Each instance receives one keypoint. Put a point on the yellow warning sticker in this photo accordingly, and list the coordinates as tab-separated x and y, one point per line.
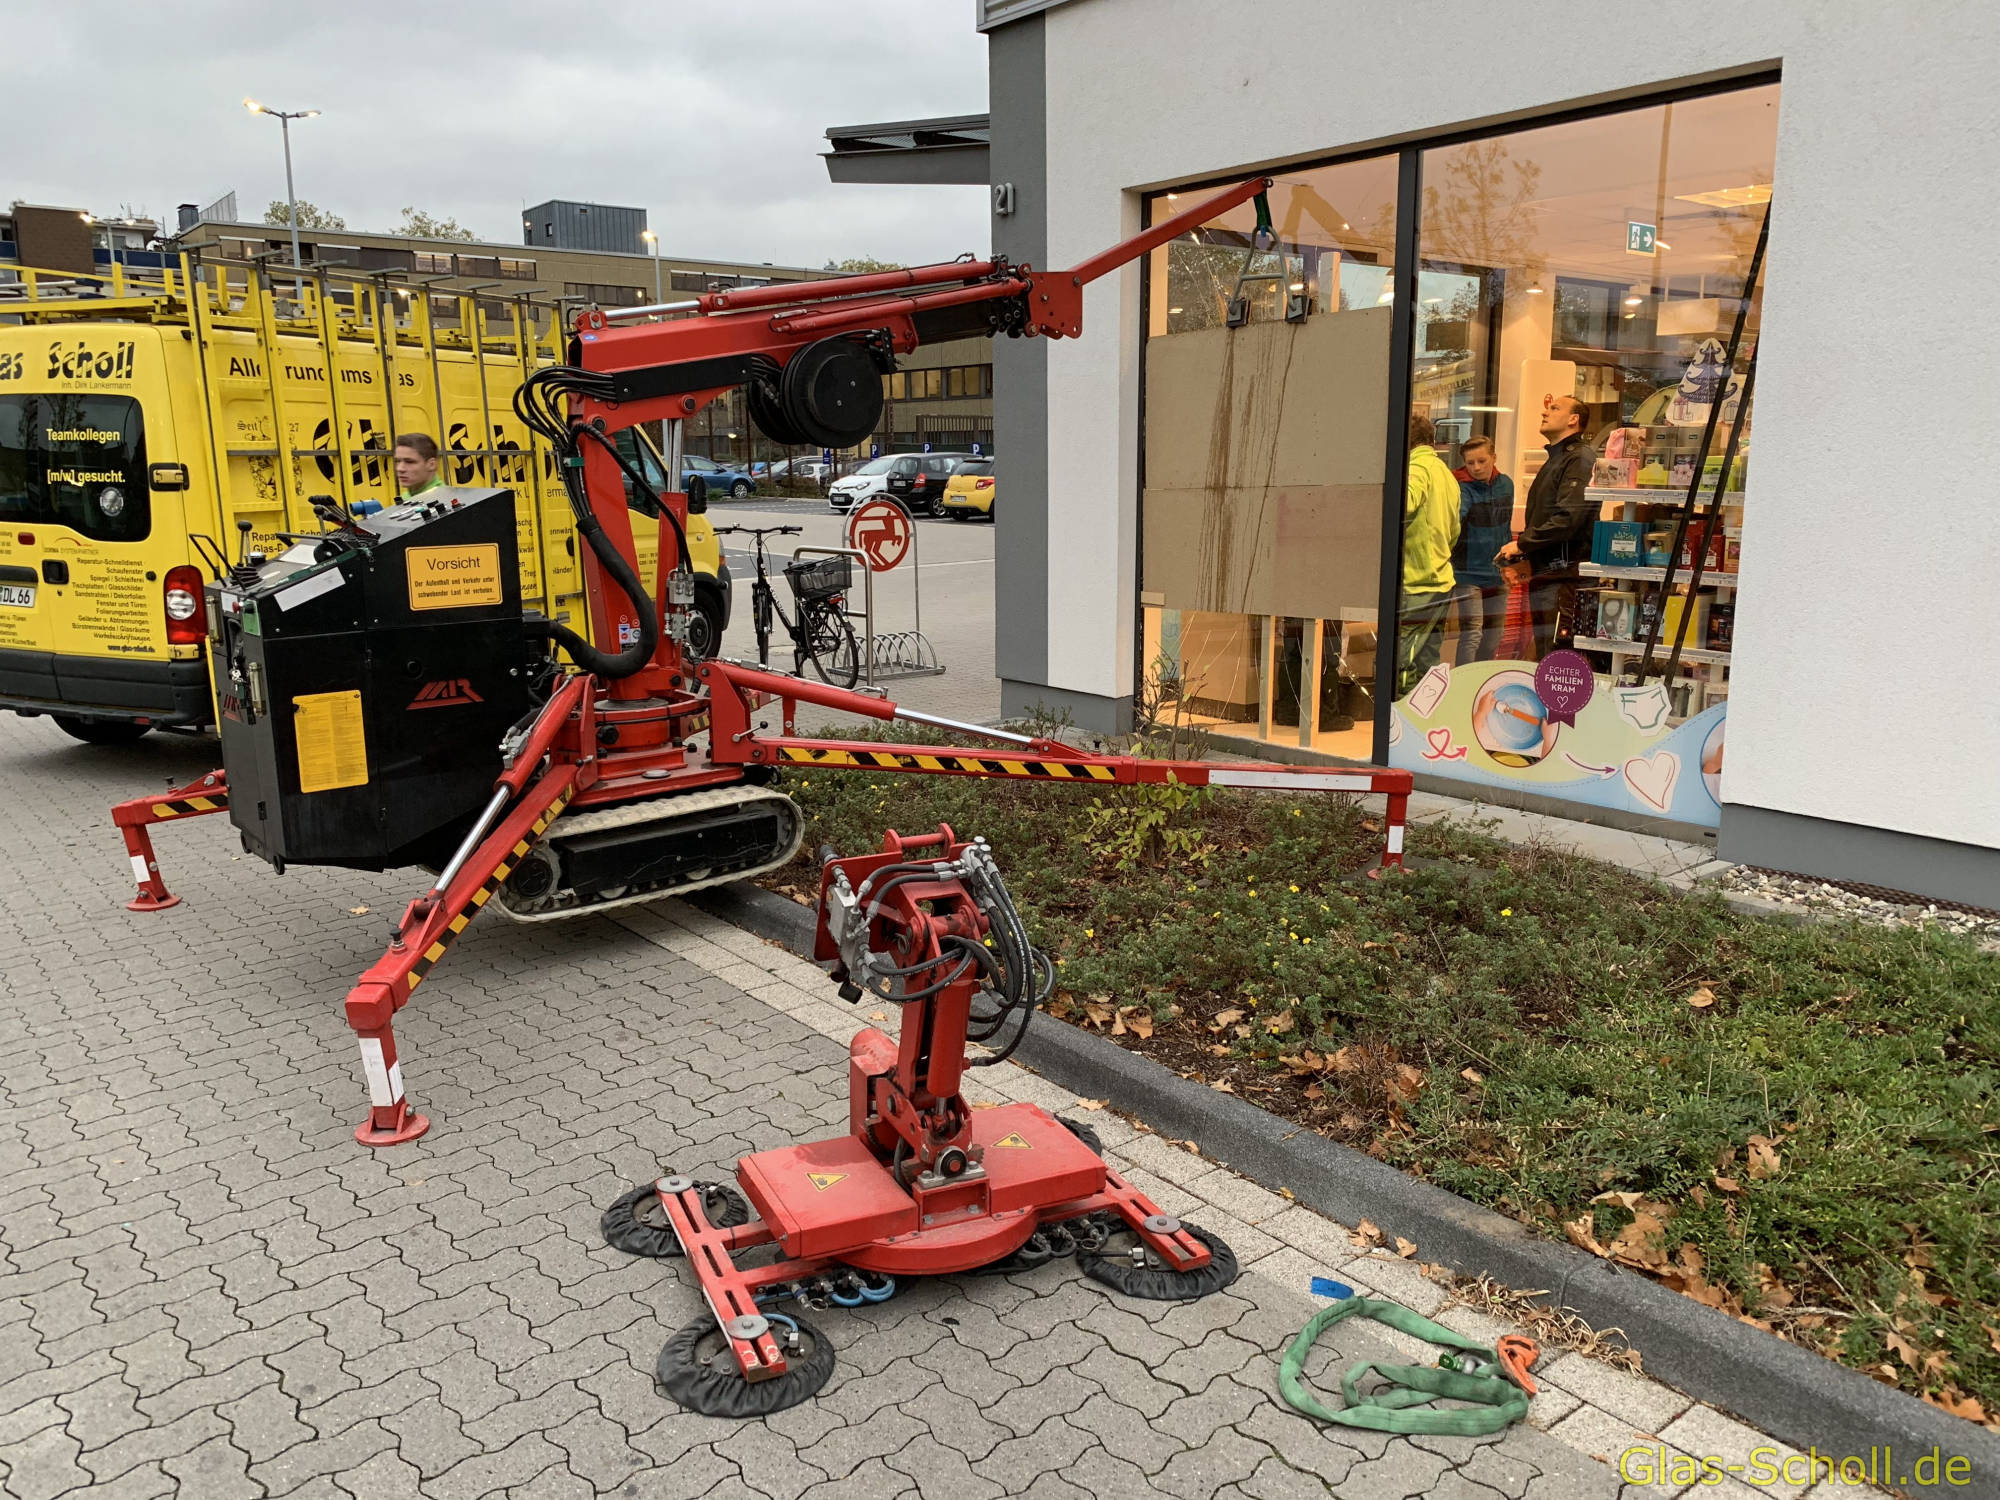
1014	1139
453	577
332	740
825	1180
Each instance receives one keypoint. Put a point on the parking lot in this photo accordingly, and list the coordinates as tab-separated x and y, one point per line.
956	563
207	1284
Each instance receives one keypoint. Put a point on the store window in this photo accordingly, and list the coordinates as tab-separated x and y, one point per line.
1579	287
1263	453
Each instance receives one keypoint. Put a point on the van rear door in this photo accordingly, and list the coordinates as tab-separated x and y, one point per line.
27	621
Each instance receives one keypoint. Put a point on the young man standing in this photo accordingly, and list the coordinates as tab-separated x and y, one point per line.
416	464
1430	530
1486	524
1560	517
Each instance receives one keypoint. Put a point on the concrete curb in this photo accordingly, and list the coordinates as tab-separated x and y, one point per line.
1795	1395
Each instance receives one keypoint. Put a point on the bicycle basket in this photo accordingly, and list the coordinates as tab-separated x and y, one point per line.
821	578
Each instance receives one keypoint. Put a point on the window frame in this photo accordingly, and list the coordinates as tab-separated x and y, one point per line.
1409	155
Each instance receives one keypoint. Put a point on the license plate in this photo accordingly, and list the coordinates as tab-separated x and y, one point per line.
15	594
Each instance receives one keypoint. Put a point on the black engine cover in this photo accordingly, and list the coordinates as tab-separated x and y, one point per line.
365	680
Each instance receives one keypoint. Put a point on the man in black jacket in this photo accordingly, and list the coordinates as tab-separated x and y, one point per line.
1561	515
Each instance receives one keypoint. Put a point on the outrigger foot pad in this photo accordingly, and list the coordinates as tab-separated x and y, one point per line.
697	1369
638	1225
1114	1264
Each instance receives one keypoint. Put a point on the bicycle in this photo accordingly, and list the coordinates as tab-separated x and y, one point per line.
821	634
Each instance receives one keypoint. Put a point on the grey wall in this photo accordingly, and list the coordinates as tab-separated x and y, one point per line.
1016	90
1831	850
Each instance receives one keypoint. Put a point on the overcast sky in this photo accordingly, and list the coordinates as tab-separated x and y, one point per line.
710	116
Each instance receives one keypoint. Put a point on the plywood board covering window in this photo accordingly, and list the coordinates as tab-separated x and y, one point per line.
1264	466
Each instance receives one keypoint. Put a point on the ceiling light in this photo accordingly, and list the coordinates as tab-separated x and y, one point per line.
1535	291
1634	301
1388	295
1174	312
1630	316
1660	244
1298	286
1345	225
1171	197
1739	197
1486	408
1433	301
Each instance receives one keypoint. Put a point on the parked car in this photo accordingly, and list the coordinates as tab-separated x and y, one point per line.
916	481
810	469
732	480
970	492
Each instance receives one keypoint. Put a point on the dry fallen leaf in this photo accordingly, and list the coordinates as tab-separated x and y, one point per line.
1365	1234
1764	1160
1728	1184
1225	1018
1220	1049
1092	1103
1582	1232
1223	1086
877	1015
1314	1091
1639	1243
1472	1075
1410	1080
1241	1033
1189	1146
1775	1293
1627	1201
1405	1249
357	911
1702	998
1279	1024
1955	1401
1142	1026
1902	1349
1288	1195
1097	1014
1992	1336
1344	1061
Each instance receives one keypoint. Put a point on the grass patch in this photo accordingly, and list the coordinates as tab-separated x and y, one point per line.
1800	1125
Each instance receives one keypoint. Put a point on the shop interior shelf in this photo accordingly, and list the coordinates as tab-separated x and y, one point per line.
1654	575
1669	496
1660	652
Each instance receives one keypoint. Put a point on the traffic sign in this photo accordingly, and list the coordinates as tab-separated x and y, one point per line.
1640	238
826	455
976	450
874	450
880	532
927	447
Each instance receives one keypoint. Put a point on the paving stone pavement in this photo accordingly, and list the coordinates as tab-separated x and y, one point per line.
208	1289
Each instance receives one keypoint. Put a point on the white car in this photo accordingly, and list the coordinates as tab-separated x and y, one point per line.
866	482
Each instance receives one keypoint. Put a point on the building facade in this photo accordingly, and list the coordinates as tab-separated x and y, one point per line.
1476	221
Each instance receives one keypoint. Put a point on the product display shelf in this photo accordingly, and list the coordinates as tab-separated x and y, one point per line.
1659	495
1620	648
1643	574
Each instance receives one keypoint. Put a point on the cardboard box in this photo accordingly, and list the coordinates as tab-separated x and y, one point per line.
1618	544
1697	630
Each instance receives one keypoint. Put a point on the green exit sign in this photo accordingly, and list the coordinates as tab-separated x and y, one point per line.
1640	238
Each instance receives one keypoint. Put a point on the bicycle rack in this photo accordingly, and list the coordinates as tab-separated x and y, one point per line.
893	653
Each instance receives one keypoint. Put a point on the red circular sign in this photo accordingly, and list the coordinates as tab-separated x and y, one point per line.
880	532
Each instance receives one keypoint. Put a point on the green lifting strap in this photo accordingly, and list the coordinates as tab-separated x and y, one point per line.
1498	1401
1263	233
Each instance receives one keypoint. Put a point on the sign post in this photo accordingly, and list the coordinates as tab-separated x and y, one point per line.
1641	239
883	534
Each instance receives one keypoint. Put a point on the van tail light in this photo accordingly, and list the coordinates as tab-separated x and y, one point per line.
982	484
181	594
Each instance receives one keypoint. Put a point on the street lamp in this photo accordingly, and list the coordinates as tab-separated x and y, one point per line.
654	240
284	117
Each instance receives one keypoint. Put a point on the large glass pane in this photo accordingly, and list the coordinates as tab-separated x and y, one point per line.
1267	379
1578	285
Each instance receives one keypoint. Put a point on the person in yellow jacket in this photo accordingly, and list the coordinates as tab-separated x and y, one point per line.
1430	531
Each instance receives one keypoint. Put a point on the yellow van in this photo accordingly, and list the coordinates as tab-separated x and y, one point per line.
144	415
